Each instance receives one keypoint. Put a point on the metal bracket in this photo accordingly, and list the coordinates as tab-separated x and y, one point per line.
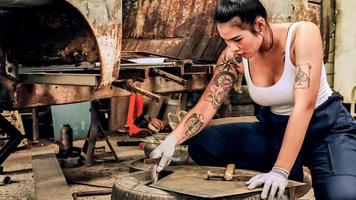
168	76
127	85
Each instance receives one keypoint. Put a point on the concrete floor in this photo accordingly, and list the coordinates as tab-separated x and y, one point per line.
101	176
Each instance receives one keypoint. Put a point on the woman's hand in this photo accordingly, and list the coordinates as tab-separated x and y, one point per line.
276	179
164	151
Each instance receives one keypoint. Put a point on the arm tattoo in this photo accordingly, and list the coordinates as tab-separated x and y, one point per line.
193	124
220	88
302	77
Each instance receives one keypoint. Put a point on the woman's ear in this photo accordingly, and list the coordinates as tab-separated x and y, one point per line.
260	24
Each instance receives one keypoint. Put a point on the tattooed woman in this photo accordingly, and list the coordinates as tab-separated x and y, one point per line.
301	122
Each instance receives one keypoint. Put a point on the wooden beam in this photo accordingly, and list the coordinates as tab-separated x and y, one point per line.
48	176
35	121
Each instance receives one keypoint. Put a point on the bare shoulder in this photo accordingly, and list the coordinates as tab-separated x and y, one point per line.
228	62
307	30
306	41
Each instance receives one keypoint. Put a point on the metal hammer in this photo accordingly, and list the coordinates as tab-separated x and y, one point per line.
228	174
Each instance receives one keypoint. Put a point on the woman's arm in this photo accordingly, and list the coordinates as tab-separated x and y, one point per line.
308	55
224	77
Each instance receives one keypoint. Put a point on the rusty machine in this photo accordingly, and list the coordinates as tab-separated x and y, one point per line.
66	51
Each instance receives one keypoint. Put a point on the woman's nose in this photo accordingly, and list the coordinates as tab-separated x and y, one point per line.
234	48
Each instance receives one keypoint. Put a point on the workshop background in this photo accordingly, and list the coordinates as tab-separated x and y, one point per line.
85	84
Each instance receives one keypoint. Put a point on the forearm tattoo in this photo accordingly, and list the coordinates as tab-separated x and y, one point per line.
220	88
193	124
302	77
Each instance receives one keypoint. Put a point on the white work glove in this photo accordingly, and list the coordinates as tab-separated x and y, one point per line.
164	151
276	179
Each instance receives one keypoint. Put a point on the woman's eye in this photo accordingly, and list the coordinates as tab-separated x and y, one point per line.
238	40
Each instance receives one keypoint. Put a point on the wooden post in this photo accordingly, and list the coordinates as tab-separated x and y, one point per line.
35	131
118	112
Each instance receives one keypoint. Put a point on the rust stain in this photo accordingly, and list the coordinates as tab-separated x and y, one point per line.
307	12
104	17
177	28
43	95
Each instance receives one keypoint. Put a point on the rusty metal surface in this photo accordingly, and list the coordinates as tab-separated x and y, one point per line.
104	17
195	176
174	28
56	34
65	32
307	11
42	95
28	95
178	28
185	29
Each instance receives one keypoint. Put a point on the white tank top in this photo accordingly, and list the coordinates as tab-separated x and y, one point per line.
280	95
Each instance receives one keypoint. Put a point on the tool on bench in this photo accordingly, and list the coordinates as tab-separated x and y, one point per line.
228	175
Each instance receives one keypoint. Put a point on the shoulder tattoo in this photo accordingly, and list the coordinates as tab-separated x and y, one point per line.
228	64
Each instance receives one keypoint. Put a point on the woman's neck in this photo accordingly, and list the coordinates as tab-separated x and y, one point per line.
270	40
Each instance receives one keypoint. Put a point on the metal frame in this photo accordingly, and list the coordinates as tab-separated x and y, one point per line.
15	138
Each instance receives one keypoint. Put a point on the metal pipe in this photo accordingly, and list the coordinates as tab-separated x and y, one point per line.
91	193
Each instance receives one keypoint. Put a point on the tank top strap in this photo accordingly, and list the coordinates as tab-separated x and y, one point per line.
247	71
289	40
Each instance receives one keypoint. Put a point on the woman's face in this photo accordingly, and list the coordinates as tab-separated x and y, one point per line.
241	42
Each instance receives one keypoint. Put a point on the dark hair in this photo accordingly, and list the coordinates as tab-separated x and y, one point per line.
246	10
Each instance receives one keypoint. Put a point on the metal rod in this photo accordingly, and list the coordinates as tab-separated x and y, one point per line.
169	76
132	88
90	193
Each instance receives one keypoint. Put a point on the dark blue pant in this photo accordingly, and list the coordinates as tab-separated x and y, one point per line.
329	149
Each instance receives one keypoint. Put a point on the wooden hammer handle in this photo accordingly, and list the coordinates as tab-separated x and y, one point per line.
229	172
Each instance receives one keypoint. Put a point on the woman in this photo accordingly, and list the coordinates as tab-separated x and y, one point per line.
301	122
